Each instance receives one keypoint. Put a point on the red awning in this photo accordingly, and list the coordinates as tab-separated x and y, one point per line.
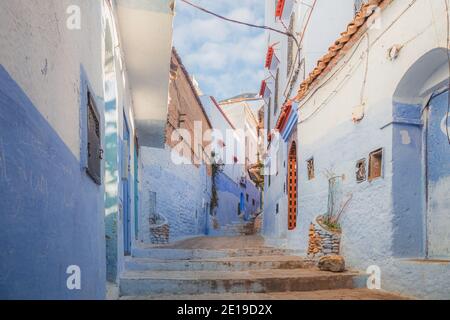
280	8
263	88
284	116
269	56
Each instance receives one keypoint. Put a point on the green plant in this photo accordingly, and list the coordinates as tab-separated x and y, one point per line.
216	169
329	223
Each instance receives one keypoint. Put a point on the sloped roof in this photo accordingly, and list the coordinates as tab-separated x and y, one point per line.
341	46
191	84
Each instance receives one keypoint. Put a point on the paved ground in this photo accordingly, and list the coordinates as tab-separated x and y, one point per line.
215	243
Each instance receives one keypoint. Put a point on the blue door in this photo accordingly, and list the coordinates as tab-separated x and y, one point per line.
438	177
242	205
136	192
125	168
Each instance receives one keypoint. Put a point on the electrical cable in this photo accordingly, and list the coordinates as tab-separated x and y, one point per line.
448	57
366	72
241	22
296	70
371	45
331	77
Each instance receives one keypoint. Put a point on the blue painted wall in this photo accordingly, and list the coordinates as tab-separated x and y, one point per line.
438	178
183	194
407	181
229	193
51	213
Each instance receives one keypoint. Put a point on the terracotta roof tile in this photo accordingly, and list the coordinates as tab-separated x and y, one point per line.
334	52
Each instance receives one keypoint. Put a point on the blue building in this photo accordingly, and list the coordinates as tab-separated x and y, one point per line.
69	140
371	151
238	197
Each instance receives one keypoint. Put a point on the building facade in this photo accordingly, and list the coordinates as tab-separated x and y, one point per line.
68	132
177	177
372	148
237	198
288	62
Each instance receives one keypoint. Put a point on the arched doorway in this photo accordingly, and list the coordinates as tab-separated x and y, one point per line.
292	187
421	157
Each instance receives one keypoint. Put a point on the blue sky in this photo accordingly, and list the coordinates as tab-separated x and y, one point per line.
226	59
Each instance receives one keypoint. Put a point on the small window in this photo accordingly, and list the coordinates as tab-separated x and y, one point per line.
94	150
246	197
361	174
253	202
375	164
277	208
310	166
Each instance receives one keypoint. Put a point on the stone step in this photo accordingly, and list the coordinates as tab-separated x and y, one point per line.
337	294
190	254
219	264
141	283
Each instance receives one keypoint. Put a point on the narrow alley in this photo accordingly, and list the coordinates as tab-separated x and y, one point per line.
246	150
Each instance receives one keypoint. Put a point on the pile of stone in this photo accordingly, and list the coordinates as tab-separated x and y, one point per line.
159	234
315	241
159	230
323	242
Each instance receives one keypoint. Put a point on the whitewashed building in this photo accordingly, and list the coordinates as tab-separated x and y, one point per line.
372	149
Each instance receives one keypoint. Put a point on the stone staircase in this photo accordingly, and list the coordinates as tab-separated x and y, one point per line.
242	228
238	229
216	268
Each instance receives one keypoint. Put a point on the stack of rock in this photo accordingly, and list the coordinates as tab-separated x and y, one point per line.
315	241
159	229
323	242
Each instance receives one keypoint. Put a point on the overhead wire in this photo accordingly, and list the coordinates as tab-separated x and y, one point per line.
248	24
296	70
371	44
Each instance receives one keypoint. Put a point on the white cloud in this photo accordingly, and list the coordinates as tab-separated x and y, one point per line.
226	58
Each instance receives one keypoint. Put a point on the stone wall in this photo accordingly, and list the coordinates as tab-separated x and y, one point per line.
183	194
322	242
159	234
186	112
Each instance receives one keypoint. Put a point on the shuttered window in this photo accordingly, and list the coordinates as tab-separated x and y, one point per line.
94	150
292	187
375	164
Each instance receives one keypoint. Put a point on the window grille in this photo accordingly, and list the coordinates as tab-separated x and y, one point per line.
94	150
